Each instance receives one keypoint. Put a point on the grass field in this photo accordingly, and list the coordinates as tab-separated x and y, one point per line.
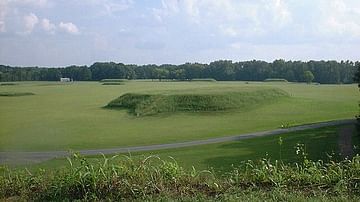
318	144
62	116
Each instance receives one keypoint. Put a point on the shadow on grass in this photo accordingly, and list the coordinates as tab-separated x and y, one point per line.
318	144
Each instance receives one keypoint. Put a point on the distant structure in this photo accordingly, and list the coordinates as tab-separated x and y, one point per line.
65	79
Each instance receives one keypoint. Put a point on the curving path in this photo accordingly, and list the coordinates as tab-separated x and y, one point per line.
36	157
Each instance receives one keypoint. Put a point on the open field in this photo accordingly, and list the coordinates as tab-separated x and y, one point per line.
70	116
24	158
319	144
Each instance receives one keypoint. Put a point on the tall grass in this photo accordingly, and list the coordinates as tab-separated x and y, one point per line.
150	104
153	178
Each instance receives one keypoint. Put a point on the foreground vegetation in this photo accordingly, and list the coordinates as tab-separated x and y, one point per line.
153	178
62	116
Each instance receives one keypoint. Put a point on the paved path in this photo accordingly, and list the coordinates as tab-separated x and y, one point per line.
35	157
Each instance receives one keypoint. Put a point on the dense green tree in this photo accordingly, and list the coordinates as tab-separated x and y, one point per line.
308	76
357	80
179	74
222	70
160	73
77	73
225	70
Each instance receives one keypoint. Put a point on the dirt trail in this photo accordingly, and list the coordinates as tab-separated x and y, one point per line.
8	157
345	141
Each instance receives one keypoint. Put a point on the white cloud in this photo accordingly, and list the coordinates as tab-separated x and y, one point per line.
108	7
2	26
278	11
3	11
101	42
11	8
341	18
38	3
229	31
69	27
115	6
48	26
30	21
231	18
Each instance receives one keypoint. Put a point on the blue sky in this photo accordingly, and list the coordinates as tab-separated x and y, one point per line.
66	32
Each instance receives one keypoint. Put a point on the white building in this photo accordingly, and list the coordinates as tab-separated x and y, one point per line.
65	79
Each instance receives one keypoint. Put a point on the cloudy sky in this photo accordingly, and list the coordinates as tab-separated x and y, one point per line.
65	32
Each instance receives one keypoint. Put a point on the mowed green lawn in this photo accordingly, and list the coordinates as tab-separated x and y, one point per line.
70	116
318	144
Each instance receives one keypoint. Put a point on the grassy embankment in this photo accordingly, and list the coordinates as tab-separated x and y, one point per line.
152	104
14	94
113	81
275	80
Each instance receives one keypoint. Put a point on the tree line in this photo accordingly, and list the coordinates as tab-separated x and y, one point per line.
327	72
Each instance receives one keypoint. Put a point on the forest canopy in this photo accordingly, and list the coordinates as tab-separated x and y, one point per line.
326	72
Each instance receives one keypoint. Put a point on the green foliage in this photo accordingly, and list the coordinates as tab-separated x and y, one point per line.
357	74
152	179
308	76
15	94
357	80
150	104
275	80
221	70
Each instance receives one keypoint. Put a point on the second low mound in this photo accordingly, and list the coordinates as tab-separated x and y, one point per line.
151	104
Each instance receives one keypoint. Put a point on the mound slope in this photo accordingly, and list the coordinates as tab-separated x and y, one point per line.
151	104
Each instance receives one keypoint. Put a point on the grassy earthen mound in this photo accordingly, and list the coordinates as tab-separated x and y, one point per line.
150	104
15	94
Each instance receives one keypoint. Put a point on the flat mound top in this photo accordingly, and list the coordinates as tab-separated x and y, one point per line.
275	80
15	94
113	83
197	100
208	90
8	84
113	80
